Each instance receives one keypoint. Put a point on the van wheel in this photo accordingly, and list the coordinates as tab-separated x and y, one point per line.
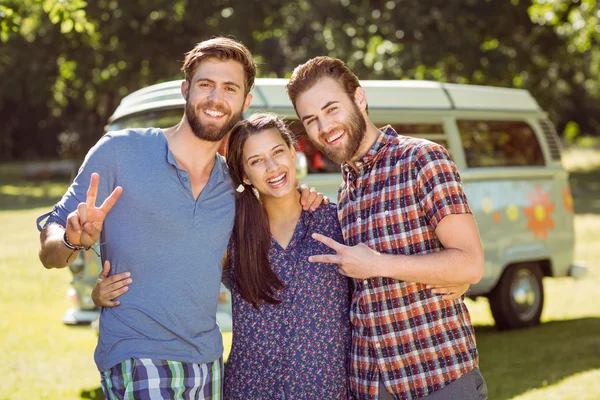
518	299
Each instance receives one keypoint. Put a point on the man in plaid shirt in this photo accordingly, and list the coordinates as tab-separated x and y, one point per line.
411	245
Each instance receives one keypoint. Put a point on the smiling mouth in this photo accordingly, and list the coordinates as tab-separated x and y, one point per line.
334	138
277	181
213	113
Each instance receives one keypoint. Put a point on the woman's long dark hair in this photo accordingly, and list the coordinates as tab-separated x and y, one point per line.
254	276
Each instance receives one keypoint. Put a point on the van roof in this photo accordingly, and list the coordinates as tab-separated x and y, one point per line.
270	93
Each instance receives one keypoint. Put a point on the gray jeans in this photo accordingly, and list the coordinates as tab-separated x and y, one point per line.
470	386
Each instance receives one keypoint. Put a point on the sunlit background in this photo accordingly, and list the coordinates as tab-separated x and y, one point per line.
66	64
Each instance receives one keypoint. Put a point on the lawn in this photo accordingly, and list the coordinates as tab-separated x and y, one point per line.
43	359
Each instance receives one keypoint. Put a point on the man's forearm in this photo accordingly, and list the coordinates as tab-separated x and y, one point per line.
53	252
448	267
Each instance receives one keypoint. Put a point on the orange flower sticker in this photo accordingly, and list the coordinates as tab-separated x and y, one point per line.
540	221
568	199
497	217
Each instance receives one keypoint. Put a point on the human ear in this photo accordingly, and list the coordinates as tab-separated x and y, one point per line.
360	98
185	88
247	102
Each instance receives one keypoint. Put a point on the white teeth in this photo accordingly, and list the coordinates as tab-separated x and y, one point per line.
334	137
277	179
213	113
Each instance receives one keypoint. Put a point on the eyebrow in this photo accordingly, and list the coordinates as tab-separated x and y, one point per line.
225	83
256	155
322	108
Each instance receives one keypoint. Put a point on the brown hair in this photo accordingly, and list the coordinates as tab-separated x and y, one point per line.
306	75
251	236
223	49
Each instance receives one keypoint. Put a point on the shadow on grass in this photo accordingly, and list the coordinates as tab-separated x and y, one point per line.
585	187
95	394
514	362
24	195
10	203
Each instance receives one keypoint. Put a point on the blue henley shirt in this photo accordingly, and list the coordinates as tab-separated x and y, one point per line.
170	242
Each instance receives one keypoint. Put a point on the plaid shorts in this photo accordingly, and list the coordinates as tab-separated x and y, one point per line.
143	378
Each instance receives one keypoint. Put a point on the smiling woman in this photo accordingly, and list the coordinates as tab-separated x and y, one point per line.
290	317
271	172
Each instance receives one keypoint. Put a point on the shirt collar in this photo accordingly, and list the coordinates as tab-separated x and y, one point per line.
388	134
220	170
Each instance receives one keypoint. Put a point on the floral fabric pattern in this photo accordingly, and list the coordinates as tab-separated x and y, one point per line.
297	349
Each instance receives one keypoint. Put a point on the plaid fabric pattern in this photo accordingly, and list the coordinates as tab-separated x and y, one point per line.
143	378
417	341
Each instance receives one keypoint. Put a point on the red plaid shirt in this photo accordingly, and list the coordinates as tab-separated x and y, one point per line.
417	341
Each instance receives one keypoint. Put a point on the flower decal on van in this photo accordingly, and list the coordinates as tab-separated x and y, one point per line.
512	212
540	221
568	199
487	205
497	217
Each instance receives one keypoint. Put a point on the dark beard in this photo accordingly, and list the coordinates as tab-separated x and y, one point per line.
209	133
355	128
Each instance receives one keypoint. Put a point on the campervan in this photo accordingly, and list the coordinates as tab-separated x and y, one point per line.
506	150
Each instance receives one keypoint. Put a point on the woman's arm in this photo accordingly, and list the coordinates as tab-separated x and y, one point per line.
226	274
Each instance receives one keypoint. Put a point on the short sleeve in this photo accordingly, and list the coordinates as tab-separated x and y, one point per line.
439	187
100	159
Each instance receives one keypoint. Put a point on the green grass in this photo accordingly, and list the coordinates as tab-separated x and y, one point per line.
43	359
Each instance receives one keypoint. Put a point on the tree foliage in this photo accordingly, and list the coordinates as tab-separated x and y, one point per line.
65	64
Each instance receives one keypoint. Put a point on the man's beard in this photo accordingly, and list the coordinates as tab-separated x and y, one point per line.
207	132
354	127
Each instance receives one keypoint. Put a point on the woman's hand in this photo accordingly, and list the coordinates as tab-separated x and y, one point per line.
109	288
310	199
449	292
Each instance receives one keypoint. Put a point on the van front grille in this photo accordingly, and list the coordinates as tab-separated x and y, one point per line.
551	138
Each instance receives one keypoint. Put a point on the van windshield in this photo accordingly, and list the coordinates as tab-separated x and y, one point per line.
149	119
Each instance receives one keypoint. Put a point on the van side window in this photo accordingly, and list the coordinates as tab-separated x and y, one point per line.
318	163
499	144
432	132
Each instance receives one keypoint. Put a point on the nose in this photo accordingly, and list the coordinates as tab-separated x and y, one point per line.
271	164
215	94
324	124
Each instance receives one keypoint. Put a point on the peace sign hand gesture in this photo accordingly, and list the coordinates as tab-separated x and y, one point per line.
353	261
84	225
